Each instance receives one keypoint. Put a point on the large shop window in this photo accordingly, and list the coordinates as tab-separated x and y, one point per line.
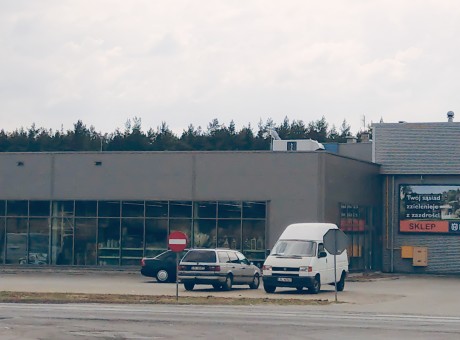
254	239
16	240
109	209
38	240
109	241
62	240
229	233
85	242
85	208
132	240
156	209
156	236
2	239
17	208
111	232
205	233
2	208
229	209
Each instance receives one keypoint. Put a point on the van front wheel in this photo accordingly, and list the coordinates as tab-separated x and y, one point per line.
316	287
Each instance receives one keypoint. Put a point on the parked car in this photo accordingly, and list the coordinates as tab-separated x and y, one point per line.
221	268
162	267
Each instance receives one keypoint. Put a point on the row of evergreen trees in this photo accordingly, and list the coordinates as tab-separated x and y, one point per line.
216	137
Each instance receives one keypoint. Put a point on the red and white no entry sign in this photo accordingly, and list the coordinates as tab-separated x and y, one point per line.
177	241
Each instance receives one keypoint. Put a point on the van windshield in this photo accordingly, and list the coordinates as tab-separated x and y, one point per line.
294	248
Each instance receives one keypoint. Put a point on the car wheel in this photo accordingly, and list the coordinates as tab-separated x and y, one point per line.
341	283
227	285
189	285
216	286
162	276
255	282
316	287
269	289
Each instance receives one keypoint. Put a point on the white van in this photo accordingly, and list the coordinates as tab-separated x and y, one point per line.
300	260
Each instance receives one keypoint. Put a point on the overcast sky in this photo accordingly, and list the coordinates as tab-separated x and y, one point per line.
188	62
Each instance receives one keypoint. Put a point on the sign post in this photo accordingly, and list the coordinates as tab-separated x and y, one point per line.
335	241
177	242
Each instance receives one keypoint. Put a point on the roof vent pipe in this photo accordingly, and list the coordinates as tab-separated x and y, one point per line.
450	116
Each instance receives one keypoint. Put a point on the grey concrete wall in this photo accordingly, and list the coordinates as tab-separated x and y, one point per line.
30	181
288	180
299	186
443	249
349	181
362	151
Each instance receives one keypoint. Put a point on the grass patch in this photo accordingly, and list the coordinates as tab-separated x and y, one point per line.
61	298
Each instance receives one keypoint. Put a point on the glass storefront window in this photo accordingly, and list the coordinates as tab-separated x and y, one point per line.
254	239
16	208
109	209
205	210
62	208
2	208
156	236
86	233
62	240
85	241
132	240
180	209
132	209
2	240
109	241
39	208
229	210
86	208
16	240
254	209
204	233
39	240
156	209
181	224
229	234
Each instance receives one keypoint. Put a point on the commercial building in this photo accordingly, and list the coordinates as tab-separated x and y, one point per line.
113	208
420	169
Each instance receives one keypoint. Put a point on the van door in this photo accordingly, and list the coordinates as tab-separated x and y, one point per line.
325	265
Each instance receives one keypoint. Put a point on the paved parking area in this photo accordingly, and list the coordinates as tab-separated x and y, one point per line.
430	295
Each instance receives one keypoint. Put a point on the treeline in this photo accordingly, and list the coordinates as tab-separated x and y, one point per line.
217	136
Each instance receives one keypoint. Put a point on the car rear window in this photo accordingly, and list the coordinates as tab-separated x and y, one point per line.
200	256
165	256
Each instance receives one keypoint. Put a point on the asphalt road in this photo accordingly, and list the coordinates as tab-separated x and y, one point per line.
424	295
20	321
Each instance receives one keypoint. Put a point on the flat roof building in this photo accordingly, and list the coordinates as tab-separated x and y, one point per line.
113	208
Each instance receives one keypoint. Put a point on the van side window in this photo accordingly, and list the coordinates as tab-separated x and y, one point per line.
320	248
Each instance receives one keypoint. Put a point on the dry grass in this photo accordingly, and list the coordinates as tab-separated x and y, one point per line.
32	297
